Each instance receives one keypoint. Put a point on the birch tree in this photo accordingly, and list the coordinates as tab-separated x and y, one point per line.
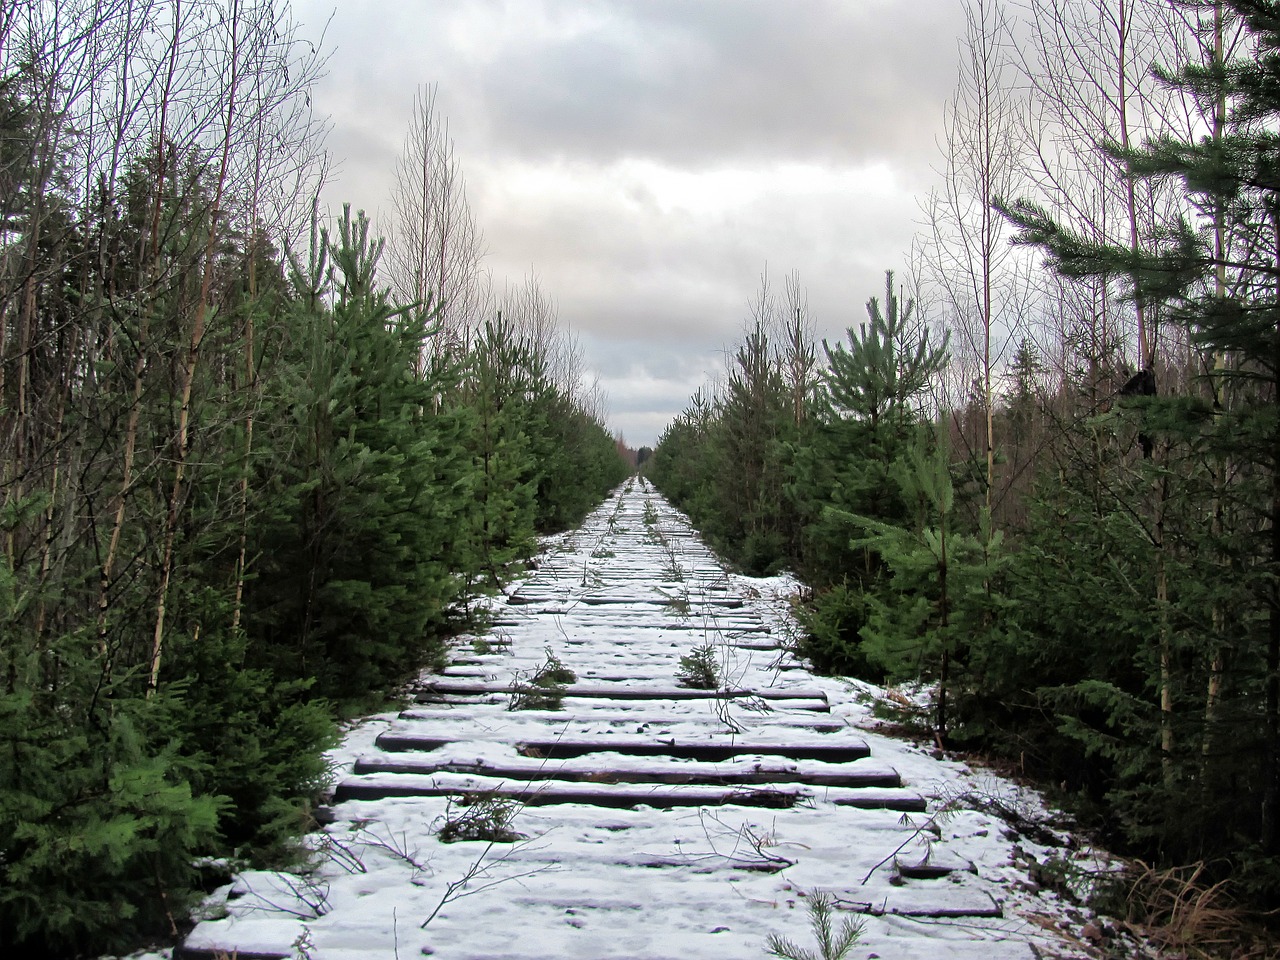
436	247
980	282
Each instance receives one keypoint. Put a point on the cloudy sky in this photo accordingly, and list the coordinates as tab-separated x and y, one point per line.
649	159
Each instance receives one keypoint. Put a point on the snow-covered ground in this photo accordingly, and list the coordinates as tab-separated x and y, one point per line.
653	821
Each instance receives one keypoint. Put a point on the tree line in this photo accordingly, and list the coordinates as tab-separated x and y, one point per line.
1044	478
246	488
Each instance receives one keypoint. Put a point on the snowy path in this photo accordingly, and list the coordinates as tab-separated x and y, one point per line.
655	820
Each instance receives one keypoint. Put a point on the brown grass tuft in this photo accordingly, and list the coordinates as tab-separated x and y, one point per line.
1183	914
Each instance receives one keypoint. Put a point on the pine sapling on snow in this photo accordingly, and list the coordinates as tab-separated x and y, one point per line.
480	816
544	688
831	946
700	669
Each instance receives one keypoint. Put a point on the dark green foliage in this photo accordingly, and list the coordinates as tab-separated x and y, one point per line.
937	602
832	641
681	465
365	490
577	458
888	365
773	490
1176	690
507	472
758	480
98	827
254	740
236	499
1073	682
1113	625
867	417
540	463
725	463
750	450
371	484
845	468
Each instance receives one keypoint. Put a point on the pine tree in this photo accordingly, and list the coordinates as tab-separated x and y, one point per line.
938	597
364	489
754	424
887	366
867	411
681	464
497	383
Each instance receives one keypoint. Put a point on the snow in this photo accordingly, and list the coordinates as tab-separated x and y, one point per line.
657	876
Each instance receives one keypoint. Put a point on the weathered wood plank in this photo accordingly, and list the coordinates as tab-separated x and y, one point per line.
620	690
669	774
548	793
712	750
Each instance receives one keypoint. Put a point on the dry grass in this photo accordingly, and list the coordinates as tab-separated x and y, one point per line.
1177	910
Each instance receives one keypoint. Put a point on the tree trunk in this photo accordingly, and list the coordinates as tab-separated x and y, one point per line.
191	364
1269	833
1217	663
1164	637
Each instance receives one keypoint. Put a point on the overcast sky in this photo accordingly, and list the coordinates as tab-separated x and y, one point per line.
649	158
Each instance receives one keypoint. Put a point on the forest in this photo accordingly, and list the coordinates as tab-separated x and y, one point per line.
259	463
256	464
1040	478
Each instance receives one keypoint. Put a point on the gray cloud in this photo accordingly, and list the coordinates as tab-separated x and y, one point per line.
647	383
704	82
647	158
682	81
